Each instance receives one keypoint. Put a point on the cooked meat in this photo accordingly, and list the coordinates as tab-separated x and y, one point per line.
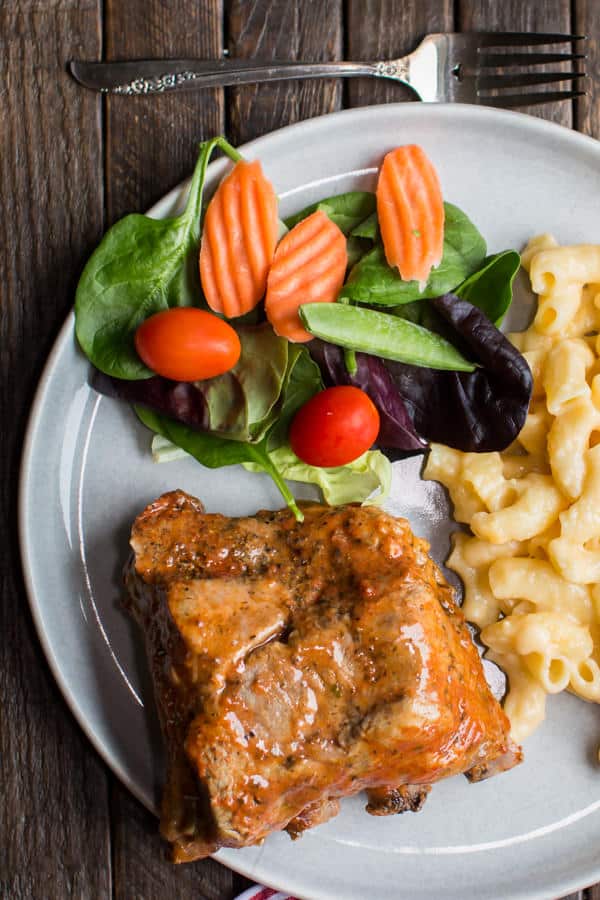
385	801
295	664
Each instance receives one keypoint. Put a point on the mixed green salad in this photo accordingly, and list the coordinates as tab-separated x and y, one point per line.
428	355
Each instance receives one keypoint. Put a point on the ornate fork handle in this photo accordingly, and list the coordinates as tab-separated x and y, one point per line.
158	76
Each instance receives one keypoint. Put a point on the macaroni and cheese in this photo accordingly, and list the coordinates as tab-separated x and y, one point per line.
531	564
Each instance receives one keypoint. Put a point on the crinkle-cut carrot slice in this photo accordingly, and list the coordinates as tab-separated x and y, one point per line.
411	212
238	240
309	267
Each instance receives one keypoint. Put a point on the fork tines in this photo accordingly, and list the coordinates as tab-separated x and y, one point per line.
486	81
521	39
525	59
523	79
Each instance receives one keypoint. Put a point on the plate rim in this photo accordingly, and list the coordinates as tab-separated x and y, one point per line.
66	333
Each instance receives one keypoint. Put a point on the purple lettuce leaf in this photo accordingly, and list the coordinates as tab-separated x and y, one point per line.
396	429
478	411
178	400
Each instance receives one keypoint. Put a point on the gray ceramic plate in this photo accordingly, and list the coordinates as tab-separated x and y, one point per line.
533	832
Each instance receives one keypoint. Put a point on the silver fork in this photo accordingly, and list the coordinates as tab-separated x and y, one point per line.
458	68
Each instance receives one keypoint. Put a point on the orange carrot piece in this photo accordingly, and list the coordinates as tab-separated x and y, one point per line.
309	267
238	240
410	210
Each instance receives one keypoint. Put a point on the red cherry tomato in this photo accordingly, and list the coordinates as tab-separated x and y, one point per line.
335	427
187	344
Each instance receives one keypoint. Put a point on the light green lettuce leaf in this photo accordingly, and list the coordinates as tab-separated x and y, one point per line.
354	483
164	450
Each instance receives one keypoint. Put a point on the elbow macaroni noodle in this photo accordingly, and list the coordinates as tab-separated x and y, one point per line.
531	565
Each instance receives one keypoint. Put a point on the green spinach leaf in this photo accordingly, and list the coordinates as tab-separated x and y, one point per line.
346	210
368	228
490	288
356	248
412	312
373	282
141	267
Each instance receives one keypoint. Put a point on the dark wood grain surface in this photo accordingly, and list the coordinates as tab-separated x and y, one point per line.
70	165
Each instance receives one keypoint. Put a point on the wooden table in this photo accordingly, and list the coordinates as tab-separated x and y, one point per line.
71	163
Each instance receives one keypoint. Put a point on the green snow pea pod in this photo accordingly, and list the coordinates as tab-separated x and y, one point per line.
381	334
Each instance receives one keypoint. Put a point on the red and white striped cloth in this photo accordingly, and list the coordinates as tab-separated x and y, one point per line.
258	892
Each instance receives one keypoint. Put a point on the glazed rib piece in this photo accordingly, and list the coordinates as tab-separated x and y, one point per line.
295	664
